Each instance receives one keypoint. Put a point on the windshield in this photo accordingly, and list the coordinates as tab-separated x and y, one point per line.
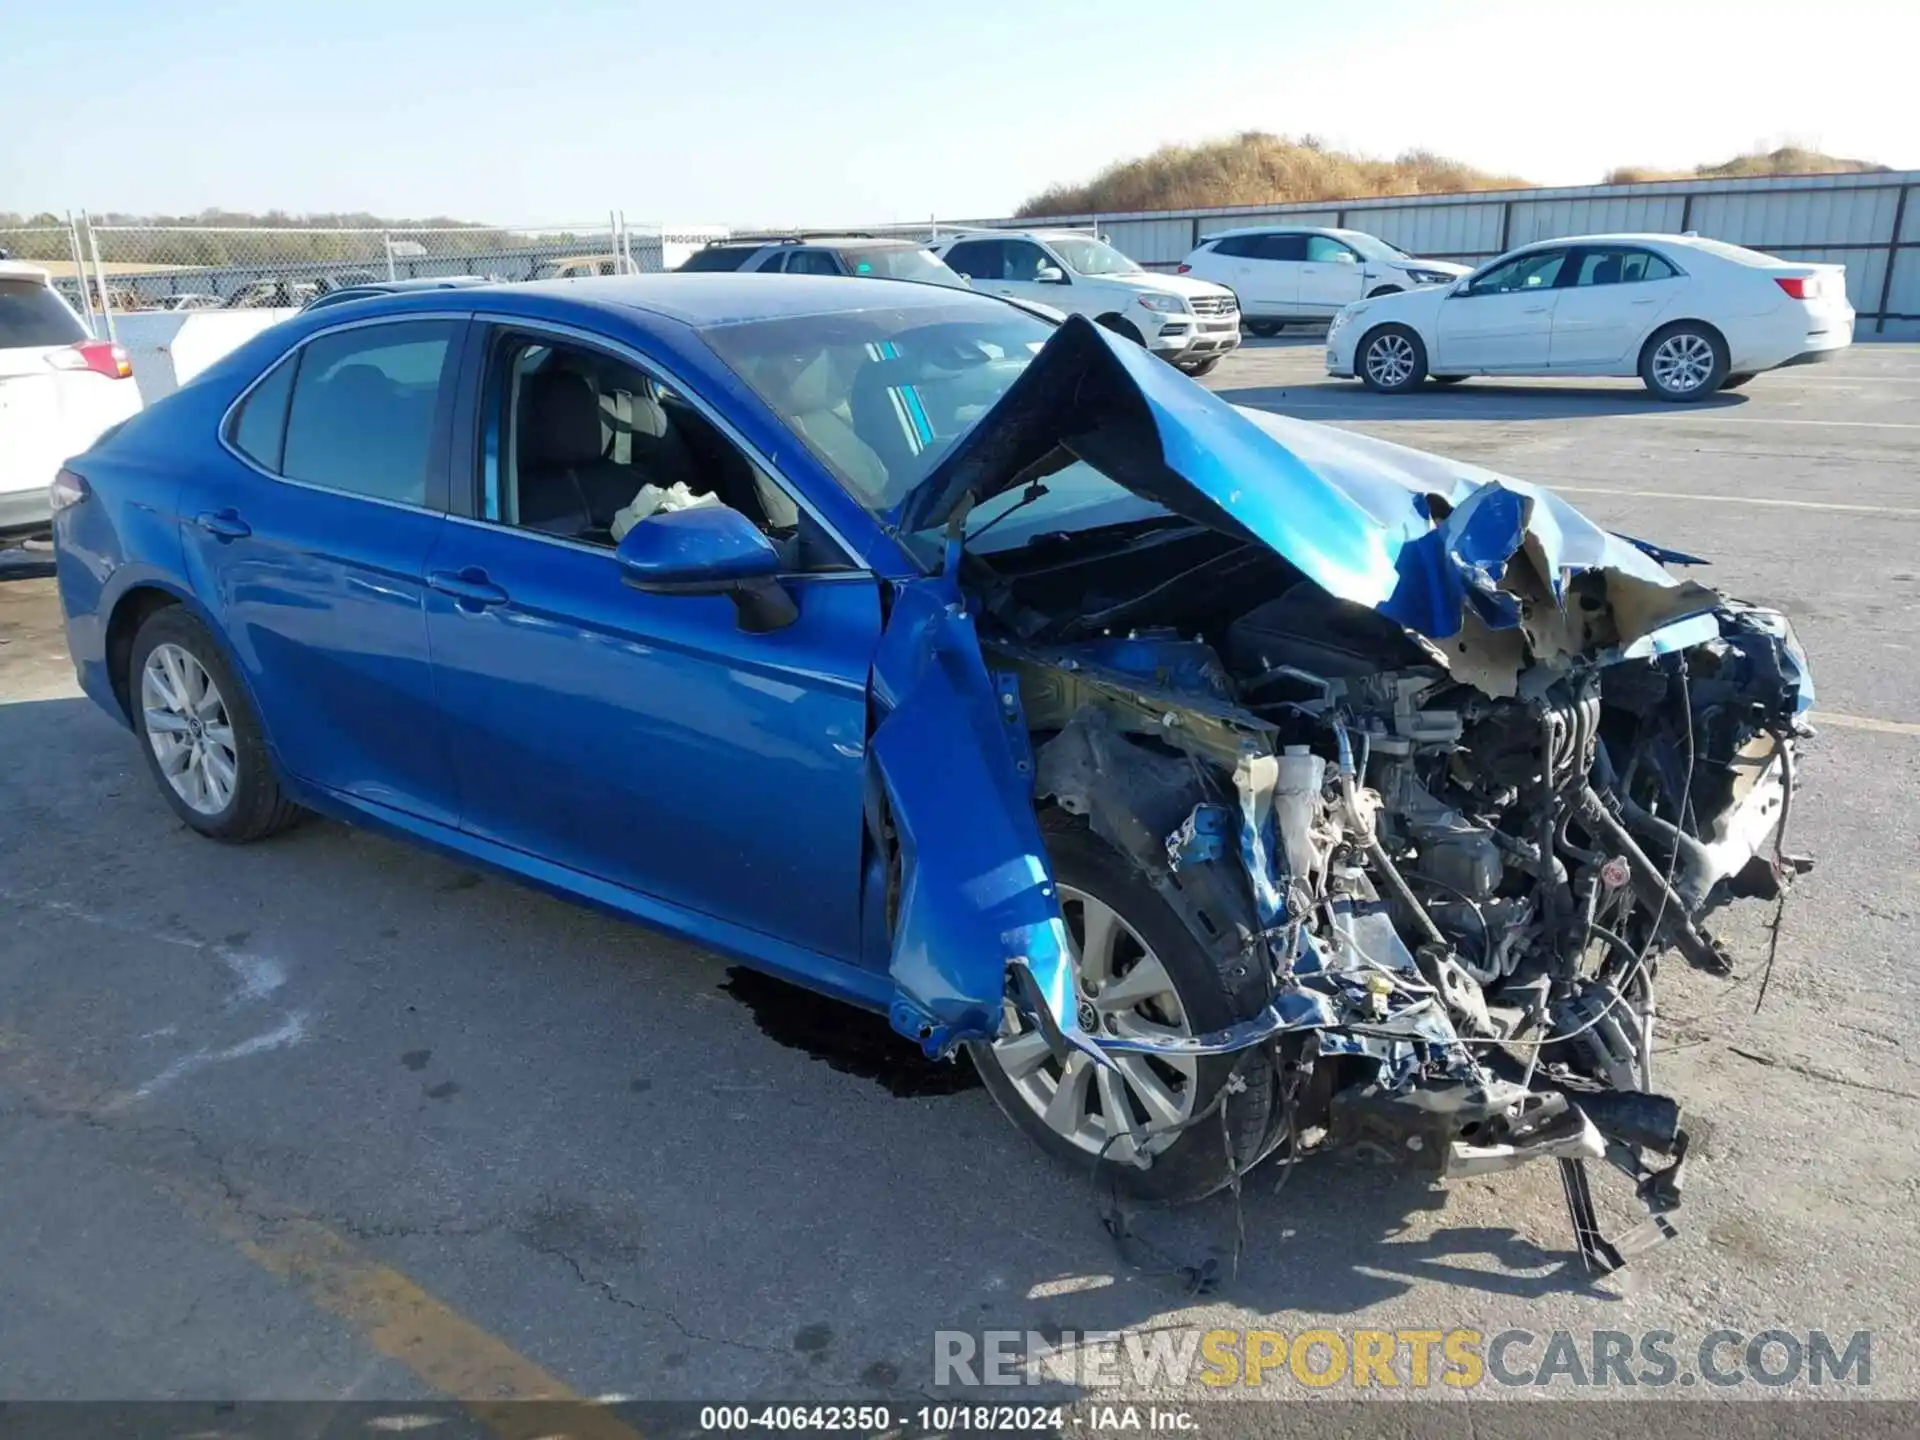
902	262
1372	247
879	395
1085	256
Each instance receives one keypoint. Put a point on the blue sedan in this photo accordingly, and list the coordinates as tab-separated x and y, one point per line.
1181	762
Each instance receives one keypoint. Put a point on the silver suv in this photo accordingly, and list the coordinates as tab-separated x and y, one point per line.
873	256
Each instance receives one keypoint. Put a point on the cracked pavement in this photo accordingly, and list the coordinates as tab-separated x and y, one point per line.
566	1131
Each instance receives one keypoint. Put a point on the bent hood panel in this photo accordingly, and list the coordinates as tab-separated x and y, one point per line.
1426	541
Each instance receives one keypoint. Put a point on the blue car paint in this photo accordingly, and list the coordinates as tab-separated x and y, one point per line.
706	781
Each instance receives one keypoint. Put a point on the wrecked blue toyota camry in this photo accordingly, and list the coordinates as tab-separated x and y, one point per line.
1230	786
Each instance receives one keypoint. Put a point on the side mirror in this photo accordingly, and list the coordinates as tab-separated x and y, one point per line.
711	550
1050	275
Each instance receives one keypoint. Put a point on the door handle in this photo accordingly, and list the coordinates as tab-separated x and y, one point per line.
1647	300
1533	310
223	524
470	587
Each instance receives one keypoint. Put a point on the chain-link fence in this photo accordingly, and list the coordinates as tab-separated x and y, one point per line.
109	269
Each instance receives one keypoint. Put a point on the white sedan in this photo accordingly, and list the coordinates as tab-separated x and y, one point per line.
1688	316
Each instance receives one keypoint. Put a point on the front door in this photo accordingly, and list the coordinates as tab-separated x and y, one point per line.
643	739
1503	320
309	538
1331	278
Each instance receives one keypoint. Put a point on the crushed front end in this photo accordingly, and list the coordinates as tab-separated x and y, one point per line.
1434	767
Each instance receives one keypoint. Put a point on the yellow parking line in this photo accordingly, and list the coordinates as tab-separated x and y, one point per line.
450	1353
1864	722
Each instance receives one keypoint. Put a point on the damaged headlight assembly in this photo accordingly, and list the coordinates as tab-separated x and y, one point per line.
1375	788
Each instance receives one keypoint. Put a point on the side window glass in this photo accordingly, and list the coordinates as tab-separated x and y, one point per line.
1325	250
1607	267
777	261
1023	260
1237	247
593	445
362	411
1537	271
1645	265
976	259
1283	247
812	262
260	427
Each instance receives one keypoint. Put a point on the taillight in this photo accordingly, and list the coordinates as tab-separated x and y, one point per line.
1800	287
1183	268
68	489
103	357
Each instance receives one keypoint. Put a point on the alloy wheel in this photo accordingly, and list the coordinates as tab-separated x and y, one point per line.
1683	362
1390	360
187	724
1121	1115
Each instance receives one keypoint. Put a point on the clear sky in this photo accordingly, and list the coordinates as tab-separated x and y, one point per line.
774	111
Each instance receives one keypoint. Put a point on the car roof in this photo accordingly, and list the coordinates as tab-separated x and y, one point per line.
714	297
419	282
1285	230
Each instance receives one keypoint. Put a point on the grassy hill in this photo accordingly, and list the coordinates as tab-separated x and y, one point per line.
1788	160
1255	168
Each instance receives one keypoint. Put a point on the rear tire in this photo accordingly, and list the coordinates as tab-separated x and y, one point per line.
1684	362
198	731
1391	360
1195	1162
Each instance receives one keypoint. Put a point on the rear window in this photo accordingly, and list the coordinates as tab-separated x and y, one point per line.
719	257
1739	254
31	314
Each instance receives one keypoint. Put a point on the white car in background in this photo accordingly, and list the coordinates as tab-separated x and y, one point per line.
1688	316
1284	273
59	389
1191	323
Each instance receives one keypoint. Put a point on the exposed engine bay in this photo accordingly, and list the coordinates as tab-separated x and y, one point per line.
1449	868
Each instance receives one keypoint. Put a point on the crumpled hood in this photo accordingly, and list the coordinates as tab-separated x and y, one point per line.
1434	544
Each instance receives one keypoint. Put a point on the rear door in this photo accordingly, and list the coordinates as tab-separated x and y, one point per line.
1273	275
307	539
1614	296
1503	320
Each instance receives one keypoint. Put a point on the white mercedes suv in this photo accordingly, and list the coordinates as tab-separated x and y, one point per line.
1187	321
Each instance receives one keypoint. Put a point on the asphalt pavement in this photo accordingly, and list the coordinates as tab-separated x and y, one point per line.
329	1118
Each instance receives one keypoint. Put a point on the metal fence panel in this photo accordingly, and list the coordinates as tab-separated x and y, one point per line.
1600	215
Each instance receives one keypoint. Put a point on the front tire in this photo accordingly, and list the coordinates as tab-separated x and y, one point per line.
1123	327
1141	969
1204	367
1684	362
202	740
1264	329
1391	360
